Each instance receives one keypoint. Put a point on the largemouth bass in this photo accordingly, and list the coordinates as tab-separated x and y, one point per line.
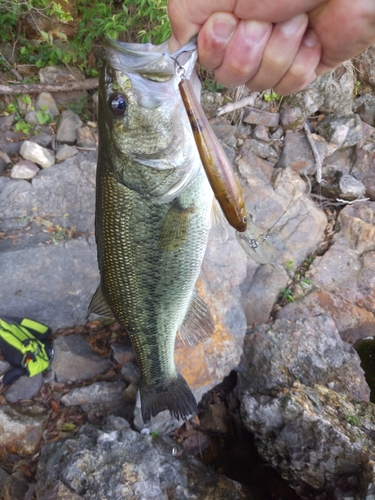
153	209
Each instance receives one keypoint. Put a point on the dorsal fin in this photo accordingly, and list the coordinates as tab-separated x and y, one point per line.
99	305
198	324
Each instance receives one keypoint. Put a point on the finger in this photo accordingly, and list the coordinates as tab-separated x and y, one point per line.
279	52
275	11
243	53
214	37
303	69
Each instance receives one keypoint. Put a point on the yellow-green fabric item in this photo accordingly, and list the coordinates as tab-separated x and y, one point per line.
21	348
34	325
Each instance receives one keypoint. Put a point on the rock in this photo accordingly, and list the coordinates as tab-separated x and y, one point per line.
24	169
43	139
3	478
258	117
4	366
343	278
338	88
364	170
60	74
96	393
297	384
46	102
64	152
297	153
224	131
341	161
261	149
85	138
261	133
32	118
41	156
365	64
74	360
6	122
21	429
24	388
343	131
130	373
365	108
12	148
122	354
67	127
140	467
342	187
63	303
3	164
15	487
292	118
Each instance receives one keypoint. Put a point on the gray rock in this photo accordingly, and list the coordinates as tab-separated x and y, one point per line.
130	373
351	188
64	152
343	278
24	388
43	139
258	117
6	122
59	74
343	131
61	281
338	88
364	170
225	131
3	478
67	127
292	117
24	169
3	164
123	464
261	133
319	439
86	137
32	118
122	354
365	64
11	148
100	399
15	487
74	360
21	429
46	102
261	149
4	366
297	153
365	107
341	161
39	155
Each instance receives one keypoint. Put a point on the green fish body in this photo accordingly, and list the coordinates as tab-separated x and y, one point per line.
153	209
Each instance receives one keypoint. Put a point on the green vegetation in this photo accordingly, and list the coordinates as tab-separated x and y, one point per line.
287	293
135	21
353	420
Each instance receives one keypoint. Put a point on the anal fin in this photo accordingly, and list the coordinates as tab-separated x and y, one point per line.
99	305
198	324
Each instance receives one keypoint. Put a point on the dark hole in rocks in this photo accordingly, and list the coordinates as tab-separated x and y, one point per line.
218	437
366	351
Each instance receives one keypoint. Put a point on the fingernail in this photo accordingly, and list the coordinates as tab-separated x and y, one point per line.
291	27
223	27
310	39
254	31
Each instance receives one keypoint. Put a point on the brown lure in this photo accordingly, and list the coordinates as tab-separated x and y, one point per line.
226	188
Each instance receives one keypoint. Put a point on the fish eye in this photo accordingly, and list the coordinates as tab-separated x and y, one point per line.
117	103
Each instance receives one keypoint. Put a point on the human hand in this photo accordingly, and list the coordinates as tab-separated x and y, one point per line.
284	49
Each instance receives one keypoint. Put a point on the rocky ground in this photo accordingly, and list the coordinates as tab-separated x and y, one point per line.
286	327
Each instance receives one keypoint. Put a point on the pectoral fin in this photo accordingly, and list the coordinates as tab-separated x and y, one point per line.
175	228
99	305
219	223
198	324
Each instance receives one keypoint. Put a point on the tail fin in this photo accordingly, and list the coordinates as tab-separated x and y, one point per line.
174	396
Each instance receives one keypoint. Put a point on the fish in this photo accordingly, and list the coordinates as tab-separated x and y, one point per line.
152	218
